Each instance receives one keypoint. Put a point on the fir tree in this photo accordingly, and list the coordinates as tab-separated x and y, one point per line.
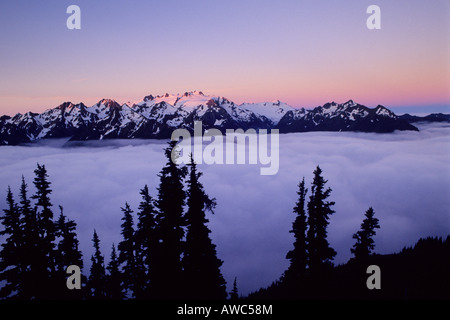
114	288
40	268
127	250
166	274
31	250
97	277
146	241
68	246
11	268
298	256
234	295
364	237
46	228
42	197
201	265
68	253
320	254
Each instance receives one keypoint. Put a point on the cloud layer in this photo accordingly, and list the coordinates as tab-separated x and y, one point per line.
404	176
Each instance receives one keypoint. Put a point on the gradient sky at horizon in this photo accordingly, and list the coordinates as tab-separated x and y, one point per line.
304	53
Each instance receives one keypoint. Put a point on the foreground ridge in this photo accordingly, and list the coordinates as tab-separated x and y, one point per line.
155	117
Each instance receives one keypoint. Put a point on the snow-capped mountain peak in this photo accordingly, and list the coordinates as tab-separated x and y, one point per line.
157	116
108	103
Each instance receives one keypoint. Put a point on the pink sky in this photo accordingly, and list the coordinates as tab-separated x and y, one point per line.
303	53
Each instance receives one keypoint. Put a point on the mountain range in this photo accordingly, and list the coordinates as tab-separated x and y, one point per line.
155	117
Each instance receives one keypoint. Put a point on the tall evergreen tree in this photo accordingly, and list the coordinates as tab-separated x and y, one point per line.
364	237
320	253
146	241
68	246
114	290
166	275
127	251
97	277
46	227
299	255
11	268
234	295
31	251
39	267
68	253
201	265
42	197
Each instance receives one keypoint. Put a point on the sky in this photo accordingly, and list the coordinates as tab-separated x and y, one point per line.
404	176
304	53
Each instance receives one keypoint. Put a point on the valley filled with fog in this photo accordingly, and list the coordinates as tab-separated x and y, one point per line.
404	176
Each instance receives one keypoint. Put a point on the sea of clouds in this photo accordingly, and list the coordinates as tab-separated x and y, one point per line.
404	176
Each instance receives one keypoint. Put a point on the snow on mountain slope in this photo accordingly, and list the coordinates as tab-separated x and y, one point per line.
157	116
273	111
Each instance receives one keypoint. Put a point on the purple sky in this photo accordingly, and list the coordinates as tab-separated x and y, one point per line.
304	53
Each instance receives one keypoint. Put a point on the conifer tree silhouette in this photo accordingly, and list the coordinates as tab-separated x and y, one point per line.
234	295
146	241
68	253
299	255
68	246
11	267
166	276
114	290
31	249
46	224
320	254
45	279
201	265
39	266
364	237
126	248
97	277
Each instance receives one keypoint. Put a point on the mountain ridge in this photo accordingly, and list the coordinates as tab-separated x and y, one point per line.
155	117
